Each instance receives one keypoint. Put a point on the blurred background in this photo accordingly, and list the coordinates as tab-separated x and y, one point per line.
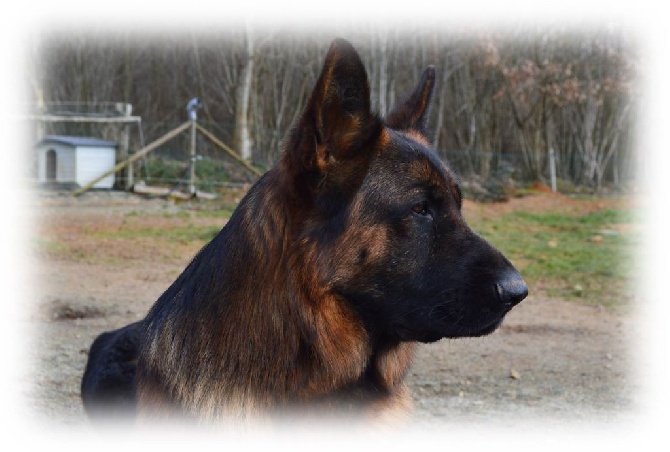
509	104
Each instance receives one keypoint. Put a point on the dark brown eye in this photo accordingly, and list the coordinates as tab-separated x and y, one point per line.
421	209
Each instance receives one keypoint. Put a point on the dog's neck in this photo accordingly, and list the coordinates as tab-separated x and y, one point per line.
335	345
272	346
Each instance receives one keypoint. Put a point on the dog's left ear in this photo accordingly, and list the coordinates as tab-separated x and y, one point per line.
412	113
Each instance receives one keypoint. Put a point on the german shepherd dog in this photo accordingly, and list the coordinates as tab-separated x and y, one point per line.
312	298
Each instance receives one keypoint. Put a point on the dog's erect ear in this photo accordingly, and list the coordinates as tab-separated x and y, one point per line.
337	121
412	113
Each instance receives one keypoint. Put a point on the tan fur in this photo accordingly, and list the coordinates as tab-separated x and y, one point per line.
416	136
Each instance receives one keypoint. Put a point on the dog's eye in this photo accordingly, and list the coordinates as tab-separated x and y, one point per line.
422	209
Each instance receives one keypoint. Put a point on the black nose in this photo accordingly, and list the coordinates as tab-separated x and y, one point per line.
511	289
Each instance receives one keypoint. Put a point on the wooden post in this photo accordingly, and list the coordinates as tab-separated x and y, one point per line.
229	151
139	154
191	177
124	145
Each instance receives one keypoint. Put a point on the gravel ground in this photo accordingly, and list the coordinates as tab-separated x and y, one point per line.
552	362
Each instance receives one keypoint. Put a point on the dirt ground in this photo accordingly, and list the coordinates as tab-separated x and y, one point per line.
552	361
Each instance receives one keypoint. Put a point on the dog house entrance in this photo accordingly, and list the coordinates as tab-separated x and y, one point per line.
51	165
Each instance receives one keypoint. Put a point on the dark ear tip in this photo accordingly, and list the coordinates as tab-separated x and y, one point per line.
341	45
343	54
429	73
341	42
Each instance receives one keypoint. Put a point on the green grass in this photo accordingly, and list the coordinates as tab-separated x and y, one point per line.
209	211
577	256
47	245
181	234
207	171
52	248
222	212
55	248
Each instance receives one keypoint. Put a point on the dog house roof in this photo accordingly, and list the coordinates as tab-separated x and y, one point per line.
77	141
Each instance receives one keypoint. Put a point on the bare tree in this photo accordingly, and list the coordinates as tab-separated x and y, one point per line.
502	96
241	136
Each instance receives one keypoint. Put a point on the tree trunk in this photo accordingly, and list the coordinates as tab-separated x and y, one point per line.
383	77
241	136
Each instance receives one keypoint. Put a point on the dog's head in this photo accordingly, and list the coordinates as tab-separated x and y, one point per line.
383	213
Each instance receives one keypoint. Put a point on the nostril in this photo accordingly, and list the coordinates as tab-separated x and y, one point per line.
501	293
516	297
512	291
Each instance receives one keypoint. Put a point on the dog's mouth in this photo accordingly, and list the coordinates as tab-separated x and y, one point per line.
483	325
429	335
487	329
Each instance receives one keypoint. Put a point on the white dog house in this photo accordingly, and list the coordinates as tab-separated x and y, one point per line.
75	160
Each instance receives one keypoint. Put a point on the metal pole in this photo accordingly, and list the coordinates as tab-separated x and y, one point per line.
191	178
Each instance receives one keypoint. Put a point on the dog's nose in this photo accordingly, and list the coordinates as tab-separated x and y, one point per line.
511	289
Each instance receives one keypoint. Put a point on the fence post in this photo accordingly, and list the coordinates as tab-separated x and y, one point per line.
191	178
124	143
552	168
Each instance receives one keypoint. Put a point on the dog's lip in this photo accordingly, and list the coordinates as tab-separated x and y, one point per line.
488	328
406	333
493	326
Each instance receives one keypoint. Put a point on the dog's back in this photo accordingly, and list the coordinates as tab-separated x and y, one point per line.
108	385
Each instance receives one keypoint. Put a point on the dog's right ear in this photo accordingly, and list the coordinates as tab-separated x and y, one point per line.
337	122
